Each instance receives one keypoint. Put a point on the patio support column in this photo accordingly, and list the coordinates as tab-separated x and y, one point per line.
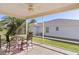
43	28
26	28
0	41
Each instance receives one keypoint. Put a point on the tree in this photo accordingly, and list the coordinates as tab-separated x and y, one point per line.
33	21
13	25
30	25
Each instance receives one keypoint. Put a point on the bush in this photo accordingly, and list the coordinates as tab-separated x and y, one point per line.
1	29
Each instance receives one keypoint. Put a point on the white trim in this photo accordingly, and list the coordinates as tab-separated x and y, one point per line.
43	27
26	27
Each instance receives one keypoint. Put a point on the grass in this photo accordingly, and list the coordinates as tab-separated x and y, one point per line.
2	33
66	46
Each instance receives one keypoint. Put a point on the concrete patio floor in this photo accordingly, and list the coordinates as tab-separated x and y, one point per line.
37	50
40	49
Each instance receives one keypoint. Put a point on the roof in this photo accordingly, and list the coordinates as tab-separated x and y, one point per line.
67	22
64	20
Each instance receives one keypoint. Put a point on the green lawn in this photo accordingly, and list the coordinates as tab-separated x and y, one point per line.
2	33
66	46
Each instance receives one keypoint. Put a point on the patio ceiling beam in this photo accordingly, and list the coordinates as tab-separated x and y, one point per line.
54	11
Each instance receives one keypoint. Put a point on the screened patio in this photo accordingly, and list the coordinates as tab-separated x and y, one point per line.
24	33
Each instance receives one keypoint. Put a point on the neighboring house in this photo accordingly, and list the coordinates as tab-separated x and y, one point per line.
65	28
37	29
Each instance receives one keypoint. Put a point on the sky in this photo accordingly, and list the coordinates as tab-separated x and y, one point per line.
72	14
1	16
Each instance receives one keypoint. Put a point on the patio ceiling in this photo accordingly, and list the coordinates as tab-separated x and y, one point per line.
27	10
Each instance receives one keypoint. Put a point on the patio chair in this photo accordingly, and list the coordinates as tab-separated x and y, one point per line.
15	45
29	38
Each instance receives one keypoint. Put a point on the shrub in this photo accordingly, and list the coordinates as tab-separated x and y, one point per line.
1	29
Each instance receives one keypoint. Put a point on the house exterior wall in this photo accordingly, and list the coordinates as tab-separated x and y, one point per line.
38	29
67	28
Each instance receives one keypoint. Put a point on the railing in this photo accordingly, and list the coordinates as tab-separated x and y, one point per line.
18	43
15	45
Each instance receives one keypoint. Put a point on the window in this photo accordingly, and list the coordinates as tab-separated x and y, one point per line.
57	28
38	28
47	29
